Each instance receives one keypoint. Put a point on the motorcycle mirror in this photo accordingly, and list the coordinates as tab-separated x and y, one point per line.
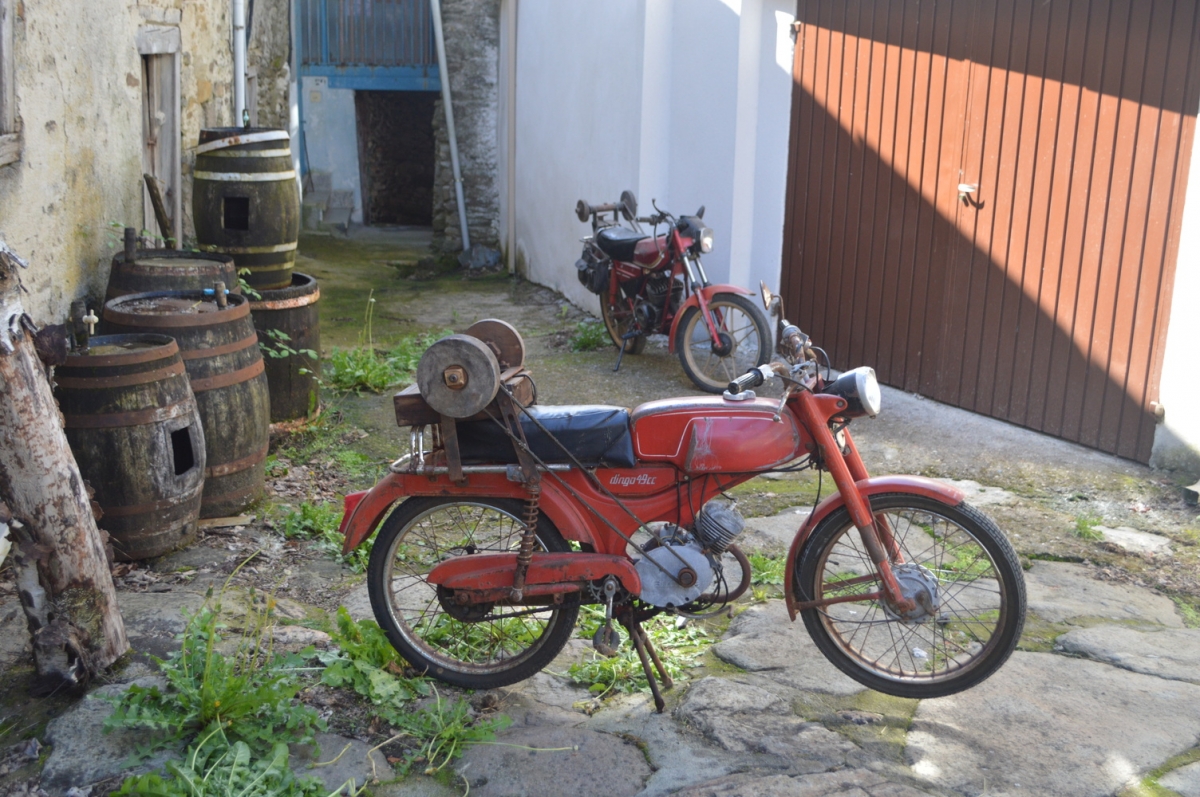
700	212
770	301
628	205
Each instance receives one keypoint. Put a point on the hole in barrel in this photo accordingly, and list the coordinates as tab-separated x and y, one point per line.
181	448
237	213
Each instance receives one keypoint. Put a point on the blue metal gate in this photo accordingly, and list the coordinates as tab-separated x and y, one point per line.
369	44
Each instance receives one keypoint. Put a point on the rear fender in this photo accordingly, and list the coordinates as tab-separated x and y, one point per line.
915	485
694	301
365	511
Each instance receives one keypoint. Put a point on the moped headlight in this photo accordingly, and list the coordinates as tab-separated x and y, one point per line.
860	389
706	240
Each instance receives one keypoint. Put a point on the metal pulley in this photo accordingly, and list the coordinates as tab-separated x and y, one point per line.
503	339
458	376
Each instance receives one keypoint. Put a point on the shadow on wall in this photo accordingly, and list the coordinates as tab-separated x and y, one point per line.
1042	306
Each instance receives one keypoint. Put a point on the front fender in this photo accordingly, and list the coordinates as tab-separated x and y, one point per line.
694	301
916	485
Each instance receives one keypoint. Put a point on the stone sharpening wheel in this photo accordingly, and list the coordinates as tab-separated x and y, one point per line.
503	339
458	376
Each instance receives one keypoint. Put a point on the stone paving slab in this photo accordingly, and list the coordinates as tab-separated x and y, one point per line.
764	640
83	754
353	762
1185	780
772	536
978	495
1170	653
1047	724
849	783
533	761
1062	592
1136	541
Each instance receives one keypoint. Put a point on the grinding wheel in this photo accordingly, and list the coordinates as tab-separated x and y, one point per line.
503	339
458	376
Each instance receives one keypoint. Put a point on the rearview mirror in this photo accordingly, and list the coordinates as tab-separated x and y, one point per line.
770	300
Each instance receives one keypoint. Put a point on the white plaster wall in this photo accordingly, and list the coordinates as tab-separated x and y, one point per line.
578	128
684	101
331	137
1177	439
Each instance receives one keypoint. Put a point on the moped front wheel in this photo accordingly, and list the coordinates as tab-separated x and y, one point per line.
476	647
743	341
958	568
618	319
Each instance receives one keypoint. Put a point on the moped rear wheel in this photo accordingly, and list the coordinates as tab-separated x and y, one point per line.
472	647
618	319
959	568
744	341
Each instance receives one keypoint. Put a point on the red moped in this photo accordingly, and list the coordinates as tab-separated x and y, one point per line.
517	514
652	283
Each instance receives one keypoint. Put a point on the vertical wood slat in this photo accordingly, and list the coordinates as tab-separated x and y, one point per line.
1047	305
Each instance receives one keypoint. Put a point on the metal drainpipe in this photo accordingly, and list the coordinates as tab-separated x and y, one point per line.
444	76
239	61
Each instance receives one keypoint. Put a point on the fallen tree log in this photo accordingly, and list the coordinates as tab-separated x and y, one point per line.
64	582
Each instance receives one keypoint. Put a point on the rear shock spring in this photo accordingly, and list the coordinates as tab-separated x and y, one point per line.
528	537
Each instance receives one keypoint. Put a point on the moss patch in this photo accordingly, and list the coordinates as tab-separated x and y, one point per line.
1149	785
876	722
769	496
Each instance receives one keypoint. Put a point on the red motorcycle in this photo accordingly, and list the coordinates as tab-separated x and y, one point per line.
517	514
651	283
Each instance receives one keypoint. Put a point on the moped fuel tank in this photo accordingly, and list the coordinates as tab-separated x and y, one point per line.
709	435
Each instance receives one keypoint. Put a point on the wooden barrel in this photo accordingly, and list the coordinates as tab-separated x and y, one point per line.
219	347
246	202
135	430
288	325
169	270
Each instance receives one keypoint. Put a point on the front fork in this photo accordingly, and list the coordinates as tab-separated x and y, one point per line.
847	469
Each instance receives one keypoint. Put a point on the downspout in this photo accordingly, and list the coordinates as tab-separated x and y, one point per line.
444	75
511	218
239	61
297	61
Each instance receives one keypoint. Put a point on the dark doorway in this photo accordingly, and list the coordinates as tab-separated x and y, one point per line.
395	140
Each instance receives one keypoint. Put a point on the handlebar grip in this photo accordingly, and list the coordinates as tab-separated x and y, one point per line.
752	378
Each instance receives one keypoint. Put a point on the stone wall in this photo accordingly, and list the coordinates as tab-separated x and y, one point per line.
269	52
472	33
78	84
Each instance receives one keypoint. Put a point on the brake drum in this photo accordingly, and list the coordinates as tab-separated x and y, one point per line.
458	376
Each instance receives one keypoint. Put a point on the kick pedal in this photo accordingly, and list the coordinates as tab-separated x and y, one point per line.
607	639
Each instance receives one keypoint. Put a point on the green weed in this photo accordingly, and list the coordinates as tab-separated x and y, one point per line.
767	570
443	731
217	768
367	663
680	648
320	522
364	368
589	336
1085	528
248	694
280	346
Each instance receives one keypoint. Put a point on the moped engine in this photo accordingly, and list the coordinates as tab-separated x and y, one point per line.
676	572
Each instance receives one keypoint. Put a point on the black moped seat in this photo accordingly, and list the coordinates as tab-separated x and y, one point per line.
619	243
596	434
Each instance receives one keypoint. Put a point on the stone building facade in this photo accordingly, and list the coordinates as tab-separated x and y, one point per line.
472	33
79	90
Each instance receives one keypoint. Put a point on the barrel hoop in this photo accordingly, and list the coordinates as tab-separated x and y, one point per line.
227	468
245	177
287	304
235	495
154	506
217	351
250	153
249	250
230	313
134	357
127	380
197	268
231	378
111	420
248	138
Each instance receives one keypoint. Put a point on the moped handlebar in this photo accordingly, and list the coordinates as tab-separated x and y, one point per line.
584	211
752	378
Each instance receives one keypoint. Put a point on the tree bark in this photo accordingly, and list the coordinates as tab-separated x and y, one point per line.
64	582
